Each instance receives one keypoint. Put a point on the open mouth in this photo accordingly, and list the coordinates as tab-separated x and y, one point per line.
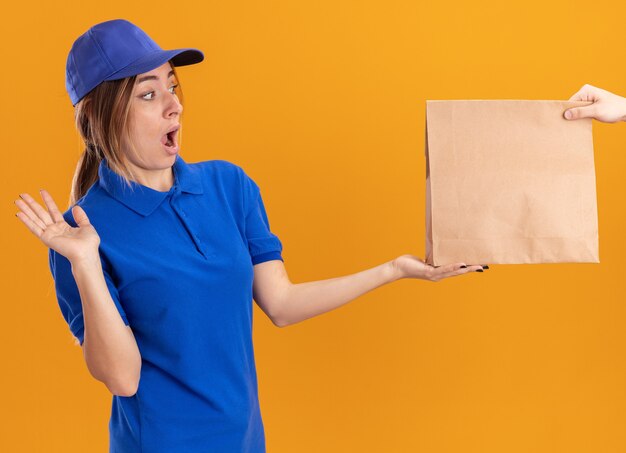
169	140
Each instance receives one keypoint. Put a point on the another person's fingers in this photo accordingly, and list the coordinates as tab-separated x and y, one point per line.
588	111
606	106
586	93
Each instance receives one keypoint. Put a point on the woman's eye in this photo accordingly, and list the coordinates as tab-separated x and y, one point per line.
151	93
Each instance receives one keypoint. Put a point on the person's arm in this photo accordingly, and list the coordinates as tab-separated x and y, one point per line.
607	107
286	303
109	346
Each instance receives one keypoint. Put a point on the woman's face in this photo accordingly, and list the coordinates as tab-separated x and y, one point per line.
155	111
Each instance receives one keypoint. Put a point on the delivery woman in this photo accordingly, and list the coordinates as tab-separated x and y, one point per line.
158	260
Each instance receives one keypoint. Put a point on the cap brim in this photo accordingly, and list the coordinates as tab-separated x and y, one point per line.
179	57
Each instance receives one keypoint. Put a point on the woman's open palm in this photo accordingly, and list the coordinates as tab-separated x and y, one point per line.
54	231
411	266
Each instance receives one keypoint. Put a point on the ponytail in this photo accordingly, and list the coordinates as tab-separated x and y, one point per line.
86	173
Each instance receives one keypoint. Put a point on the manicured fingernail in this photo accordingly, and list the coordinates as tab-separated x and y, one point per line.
479	270
464	267
568	115
485	267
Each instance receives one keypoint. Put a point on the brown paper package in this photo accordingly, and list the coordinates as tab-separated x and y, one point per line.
509	182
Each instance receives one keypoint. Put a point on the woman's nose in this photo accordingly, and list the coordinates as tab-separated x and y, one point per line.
174	106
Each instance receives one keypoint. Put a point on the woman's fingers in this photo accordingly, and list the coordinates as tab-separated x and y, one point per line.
28	213
410	266
460	268
80	216
476	268
37	208
452	270
52	207
447	268
32	226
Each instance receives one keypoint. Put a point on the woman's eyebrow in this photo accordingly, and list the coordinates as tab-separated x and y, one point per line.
153	77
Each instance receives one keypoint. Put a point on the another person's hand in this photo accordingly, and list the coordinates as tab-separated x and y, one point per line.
607	107
50	226
409	266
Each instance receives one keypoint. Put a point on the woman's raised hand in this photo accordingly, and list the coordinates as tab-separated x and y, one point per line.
74	243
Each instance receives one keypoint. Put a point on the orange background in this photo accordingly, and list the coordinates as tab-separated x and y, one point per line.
323	104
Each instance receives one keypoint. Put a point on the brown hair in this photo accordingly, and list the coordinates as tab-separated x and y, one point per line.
102	120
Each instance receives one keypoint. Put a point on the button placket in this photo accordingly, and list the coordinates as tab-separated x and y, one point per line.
188	224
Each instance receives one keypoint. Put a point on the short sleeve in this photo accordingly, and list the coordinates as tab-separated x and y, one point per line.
68	295
262	243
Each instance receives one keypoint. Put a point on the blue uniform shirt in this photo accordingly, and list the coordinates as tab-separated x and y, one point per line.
179	267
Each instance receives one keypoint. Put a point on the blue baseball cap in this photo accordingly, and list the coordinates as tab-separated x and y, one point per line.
113	50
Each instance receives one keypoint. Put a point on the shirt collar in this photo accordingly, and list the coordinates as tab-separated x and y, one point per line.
143	199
